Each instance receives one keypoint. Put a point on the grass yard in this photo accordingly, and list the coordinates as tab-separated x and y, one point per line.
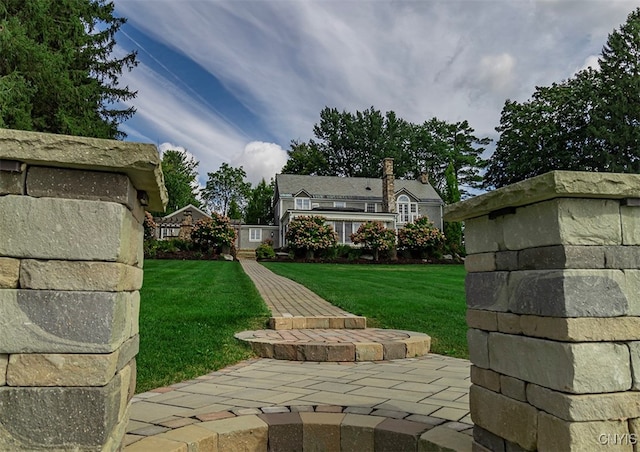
189	312
424	298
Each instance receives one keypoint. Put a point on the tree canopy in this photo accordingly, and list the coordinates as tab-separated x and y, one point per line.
259	208
224	186
354	145
180	178
590	122
57	70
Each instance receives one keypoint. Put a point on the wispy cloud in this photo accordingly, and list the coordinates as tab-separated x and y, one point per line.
285	60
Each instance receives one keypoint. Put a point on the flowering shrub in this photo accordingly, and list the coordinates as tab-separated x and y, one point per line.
213	234
373	236
310	234
421	238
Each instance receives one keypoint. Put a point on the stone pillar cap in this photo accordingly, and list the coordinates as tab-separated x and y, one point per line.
555	184
141	162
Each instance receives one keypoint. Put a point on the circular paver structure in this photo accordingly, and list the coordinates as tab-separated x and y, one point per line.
368	344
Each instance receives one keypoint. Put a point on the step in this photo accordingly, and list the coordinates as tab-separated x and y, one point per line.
337	345
294	322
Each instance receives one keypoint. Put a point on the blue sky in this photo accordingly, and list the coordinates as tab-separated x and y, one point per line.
236	80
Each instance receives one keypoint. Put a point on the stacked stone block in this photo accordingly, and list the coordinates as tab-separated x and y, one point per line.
71	236
553	296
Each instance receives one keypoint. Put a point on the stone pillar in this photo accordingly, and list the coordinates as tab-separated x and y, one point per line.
71	213
553	297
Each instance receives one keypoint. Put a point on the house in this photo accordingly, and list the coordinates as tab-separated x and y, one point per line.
248	236
347	202
168	227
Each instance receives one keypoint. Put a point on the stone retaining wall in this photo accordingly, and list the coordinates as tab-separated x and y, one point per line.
71	212
306	431
553	296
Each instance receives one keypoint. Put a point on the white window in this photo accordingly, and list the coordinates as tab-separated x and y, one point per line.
407	210
371	207
302	204
255	235
339	204
344	229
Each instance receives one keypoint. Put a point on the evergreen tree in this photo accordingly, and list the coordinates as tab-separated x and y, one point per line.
180	178
259	208
57	71
452	230
617	116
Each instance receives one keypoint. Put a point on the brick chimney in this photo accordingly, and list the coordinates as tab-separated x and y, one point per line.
388	191
424	178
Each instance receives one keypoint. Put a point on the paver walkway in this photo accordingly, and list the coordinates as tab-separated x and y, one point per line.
421	392
308	328
286	298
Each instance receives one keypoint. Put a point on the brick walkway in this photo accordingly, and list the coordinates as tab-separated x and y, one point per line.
287	299
308	328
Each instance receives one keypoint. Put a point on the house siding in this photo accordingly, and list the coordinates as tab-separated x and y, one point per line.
243	241
356	193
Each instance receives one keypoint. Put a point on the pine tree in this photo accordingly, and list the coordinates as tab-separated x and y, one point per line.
617	119
181	179
57	71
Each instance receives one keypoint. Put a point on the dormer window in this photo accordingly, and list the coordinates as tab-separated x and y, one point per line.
302	204
407	210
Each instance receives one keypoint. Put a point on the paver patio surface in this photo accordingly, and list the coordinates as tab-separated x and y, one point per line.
432	390
417	388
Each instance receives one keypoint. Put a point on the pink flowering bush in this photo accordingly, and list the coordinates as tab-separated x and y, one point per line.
309	234
421	238
373	236
213	234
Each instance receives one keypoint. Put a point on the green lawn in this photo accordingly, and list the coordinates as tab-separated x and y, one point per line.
423	298
189	312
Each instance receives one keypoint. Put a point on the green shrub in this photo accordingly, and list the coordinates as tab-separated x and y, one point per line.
373	236
265	251
354	254
421	238
149	227
308	234
213	234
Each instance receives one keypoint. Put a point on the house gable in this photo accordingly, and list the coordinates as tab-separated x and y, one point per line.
178	215
404	191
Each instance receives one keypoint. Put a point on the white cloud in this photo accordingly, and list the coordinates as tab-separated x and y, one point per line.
286	60
592	61
166	108
497	72
261	160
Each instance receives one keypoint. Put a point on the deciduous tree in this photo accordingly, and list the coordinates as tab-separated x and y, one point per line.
225	185
354	145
